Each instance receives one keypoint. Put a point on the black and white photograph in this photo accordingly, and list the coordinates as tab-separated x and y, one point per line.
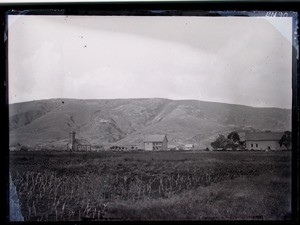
148	118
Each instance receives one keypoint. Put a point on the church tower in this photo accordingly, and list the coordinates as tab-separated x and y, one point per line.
72	139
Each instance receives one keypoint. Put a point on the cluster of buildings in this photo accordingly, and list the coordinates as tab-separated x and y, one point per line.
153	143
150	143
254	141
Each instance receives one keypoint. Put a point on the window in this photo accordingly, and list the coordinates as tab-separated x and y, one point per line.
251	145
256	145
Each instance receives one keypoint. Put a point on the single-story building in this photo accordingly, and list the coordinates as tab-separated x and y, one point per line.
155	142
188	147
124	147
78	144
264	141
40	147
172	147
15	147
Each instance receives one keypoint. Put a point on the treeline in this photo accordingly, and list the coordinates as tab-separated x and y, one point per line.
232	141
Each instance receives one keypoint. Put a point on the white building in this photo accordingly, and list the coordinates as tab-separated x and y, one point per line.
264	141
155	142
189	147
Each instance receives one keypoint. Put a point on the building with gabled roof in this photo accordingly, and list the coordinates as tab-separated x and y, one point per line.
155	142
263	140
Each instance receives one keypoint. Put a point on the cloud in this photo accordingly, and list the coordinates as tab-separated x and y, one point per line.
234	60
143	67
37	76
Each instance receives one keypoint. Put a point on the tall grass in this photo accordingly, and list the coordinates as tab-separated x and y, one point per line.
120	187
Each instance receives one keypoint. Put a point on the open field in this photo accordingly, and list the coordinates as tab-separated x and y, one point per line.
153	185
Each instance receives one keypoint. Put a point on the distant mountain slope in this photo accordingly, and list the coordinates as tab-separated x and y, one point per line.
126	121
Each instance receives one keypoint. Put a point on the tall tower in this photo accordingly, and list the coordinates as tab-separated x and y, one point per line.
72	139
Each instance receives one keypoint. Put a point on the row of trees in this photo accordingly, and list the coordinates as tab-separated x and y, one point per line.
231	142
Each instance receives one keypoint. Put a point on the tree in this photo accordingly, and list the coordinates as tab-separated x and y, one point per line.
220	142
286	139
232	141
234	137
242	144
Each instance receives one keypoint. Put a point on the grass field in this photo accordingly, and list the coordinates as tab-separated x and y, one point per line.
153	185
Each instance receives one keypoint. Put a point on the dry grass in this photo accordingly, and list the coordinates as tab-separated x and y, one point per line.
152	186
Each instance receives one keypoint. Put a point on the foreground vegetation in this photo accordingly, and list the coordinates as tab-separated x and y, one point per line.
153	185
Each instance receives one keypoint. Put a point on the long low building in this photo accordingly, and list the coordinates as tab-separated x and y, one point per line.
264	141
189	147
125	147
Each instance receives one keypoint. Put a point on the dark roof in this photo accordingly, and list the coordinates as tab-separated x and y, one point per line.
82	142
155	138
263	136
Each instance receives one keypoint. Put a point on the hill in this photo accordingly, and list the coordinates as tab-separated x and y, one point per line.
126	121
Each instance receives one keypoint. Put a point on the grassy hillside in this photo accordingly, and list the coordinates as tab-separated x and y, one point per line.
126	121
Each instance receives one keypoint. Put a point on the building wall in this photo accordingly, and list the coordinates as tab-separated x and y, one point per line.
83	148
264	145
165	144
156	146
72	140
188	147
69	146
74	146
148	146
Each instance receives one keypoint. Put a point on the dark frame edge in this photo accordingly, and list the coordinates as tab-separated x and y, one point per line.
295	124
4	159
70	8
161	5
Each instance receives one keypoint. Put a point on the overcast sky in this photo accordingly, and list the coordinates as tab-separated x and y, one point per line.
236	60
